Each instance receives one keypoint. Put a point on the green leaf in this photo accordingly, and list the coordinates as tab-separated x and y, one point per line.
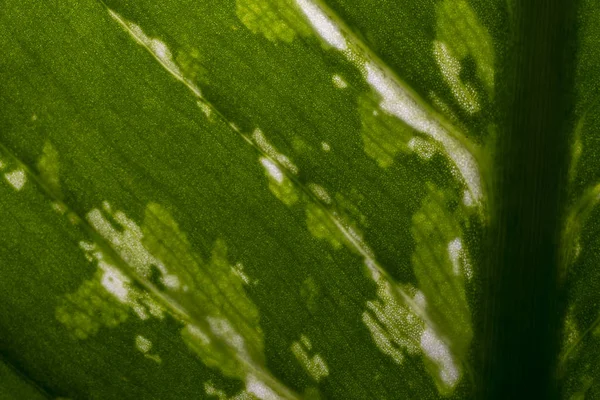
265	199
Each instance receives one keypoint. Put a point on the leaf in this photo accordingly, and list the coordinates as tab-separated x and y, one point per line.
264	199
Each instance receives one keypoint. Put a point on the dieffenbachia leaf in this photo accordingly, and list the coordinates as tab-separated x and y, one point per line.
288	199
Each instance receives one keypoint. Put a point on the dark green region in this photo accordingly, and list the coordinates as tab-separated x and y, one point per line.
522	316
93	121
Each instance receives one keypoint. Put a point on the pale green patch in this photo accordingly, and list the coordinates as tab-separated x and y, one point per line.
394	327
383	135
144	345
449	64
310	292
314	365
325	146
212	391
275	19
49	168
321	226
458	25
576	149
210	291
17	178
585	383
89	308
571	335
59	207
441	266
190	64
460	34
574	222
226	331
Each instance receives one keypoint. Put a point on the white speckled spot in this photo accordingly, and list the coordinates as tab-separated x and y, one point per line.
438	352
272	169
143	344
320	192
339	82
315	365
422	147
454	251
261	141
16	178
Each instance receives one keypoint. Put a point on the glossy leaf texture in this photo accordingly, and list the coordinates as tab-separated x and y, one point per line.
265	199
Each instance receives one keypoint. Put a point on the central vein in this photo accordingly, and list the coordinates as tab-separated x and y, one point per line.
520	318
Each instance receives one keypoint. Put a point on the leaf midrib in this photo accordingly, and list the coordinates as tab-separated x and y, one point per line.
522	311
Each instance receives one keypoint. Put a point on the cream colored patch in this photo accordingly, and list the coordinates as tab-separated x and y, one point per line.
438	352
17	178
260	389
323	24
